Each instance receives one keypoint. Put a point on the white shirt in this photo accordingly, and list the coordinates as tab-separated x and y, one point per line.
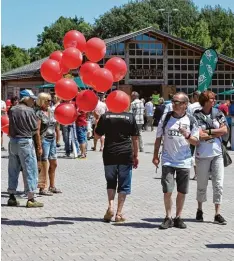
149	109
193	107
3	106
137	108
209	148
168	108
101	108
176	149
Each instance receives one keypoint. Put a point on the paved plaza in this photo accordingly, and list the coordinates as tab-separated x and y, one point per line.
69	226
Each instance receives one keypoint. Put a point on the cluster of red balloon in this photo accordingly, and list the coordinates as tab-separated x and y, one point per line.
99	79
5	119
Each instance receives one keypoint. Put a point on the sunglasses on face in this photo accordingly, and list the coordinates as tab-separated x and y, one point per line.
177	102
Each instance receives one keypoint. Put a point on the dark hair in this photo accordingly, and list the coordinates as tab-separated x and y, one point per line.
205	96
13	99
170	96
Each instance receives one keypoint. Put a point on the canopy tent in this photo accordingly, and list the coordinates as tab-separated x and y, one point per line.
228	92
78	81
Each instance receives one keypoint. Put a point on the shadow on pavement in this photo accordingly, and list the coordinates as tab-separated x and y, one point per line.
83	219
136	225
26	223
185	220
220	246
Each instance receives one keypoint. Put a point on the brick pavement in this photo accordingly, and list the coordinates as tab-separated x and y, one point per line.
70	226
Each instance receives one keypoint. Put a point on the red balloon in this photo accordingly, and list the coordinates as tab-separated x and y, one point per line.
65	113
57	56
8	102
5	124
64	69
95	49
72	58
102	80
86	100
51	71
117	101
75	39
66	89
117	67
86	72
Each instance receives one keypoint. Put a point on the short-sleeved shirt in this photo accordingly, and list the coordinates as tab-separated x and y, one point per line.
212	147
193	107
118	129
138	109
48	124
176	150
3	107
81	120
22	121
149	109
224	109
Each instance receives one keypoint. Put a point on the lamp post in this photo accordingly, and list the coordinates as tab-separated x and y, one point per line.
168	13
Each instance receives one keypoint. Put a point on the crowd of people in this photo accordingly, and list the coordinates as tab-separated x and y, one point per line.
190	132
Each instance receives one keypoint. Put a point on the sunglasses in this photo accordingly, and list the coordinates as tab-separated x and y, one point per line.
178	102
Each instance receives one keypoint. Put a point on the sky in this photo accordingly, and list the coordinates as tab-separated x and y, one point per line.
23	20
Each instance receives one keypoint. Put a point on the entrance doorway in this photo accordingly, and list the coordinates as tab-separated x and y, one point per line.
147	91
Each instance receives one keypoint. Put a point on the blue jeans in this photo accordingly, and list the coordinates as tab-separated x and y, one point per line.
121	174
66	130
49	149
22	154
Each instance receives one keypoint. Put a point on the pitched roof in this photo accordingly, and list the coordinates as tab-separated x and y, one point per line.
33	69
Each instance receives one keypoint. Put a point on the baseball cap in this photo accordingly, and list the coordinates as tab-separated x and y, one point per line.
27	93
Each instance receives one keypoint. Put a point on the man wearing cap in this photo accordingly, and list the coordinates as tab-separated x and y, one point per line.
22	127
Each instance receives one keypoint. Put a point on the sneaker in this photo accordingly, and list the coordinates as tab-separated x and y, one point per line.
218	219
82	156
199	215
167	223
179	223
12	202
34	204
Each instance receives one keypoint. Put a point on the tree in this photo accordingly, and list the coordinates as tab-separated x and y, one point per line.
13	57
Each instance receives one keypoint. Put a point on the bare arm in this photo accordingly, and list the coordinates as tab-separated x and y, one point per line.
135	146
157	146
38	139
215	133
57	131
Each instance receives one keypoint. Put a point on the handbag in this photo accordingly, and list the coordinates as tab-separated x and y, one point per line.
226	157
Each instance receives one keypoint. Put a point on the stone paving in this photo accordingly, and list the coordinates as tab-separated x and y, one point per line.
70	226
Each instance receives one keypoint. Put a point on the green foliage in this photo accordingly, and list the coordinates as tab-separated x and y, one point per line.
210	27
13	57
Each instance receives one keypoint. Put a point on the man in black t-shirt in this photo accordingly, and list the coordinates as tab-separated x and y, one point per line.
120	154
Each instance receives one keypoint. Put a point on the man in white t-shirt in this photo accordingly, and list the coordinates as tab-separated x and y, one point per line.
3	112
178	131
149	112
100	109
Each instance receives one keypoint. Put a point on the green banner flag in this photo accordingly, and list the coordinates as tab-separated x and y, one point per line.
207	68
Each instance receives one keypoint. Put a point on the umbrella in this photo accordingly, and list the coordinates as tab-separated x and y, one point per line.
78	81
227	92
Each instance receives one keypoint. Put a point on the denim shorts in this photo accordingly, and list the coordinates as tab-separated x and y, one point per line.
121	175
48	149
168	179
81	132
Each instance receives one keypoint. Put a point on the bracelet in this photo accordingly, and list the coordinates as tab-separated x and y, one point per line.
188	137
209	133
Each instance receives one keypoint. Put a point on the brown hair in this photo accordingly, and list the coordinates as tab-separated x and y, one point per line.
205	96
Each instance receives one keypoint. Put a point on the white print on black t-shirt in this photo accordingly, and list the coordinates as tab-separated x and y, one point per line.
118	116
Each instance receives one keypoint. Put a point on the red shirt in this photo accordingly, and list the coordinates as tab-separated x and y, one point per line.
224	109
81	119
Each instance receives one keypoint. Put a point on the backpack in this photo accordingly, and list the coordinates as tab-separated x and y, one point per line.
191	119
168	116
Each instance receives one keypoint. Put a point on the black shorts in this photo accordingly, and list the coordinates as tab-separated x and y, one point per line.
168	179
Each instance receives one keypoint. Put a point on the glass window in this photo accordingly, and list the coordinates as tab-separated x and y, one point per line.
152	61
176	46
184	61
132	52
221	76
221	97
139	46
184	76
170	52
159	46
177	52
190	82
177	76
170	76
159	61
120	48
214	76
191	76
190	67
152	52
190	53
170	82
132	61
170	61
221	82
159	52
183	52
146	66
184	67
177	61
160	67
184	82
190	61
139	60
221	67
139	37
146	61
214	82
139	52
170	67
227	76
177	82
132	46
152	37
152	45
227	68
145	37
177	67
170	45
